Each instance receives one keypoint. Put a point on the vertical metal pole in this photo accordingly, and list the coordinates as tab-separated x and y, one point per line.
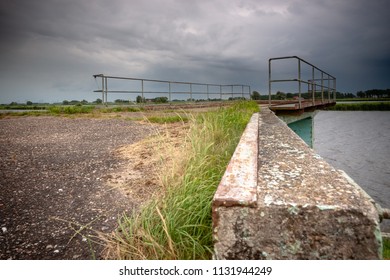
103	90
106	89
242	91
299	83
334	89
142	91
232	92
322	87
249	92
220	91
313	86
170	99
329	89
208	93
269	82
191	92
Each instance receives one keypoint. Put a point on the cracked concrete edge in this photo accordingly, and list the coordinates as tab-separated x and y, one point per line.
238	186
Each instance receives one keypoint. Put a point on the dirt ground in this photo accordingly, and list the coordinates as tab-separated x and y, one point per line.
65	180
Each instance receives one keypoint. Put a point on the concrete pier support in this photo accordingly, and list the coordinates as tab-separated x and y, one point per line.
280	200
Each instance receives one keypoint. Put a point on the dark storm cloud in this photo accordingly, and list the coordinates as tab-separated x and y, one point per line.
50	49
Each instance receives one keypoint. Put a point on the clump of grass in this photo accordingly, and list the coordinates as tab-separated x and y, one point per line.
120	109
56	110
386	249
178	224
167	119
21	114
363	106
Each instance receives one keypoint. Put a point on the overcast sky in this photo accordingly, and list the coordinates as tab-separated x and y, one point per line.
49	49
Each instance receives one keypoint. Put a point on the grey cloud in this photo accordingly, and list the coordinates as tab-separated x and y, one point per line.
57	43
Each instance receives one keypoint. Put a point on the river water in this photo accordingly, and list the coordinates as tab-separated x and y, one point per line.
358	142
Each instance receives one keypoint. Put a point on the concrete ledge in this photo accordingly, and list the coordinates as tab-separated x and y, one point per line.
238	186
304	208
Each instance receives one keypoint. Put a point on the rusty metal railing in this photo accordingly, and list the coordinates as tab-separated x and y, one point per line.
315	83
204	89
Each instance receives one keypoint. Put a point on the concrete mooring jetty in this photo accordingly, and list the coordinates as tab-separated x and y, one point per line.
278	199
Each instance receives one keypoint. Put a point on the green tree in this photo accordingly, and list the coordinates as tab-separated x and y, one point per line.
280	95
162	99
65	102
29	103
139	99
99	101
255	95
361	94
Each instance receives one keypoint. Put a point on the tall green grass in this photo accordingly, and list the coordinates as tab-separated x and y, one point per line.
178	224
56	110
363	106
386	249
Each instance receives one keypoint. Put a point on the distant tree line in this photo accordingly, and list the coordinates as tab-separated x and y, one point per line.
372	93
161	99
75	102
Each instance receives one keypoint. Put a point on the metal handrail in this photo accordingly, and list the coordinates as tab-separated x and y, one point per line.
311	82
245	89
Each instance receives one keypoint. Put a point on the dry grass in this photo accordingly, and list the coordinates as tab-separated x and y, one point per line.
177	223
141	177
151	165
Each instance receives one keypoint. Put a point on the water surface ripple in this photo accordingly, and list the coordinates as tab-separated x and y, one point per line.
358	142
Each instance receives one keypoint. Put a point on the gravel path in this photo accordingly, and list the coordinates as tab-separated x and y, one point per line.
53	174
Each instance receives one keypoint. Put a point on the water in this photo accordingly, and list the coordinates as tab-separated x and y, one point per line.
358	142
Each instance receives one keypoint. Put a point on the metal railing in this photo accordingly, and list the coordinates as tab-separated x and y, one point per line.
207	90
315	84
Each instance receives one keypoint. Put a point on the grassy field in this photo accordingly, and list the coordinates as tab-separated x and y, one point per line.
361	106
177	224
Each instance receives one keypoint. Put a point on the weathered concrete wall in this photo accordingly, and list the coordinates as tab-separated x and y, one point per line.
280	200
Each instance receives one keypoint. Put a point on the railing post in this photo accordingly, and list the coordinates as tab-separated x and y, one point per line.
103	89
313	86
142	91
269	82
170	98
322	87
299	83
191	92
105	80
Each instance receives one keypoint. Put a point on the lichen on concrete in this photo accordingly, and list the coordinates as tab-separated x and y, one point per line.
304	208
